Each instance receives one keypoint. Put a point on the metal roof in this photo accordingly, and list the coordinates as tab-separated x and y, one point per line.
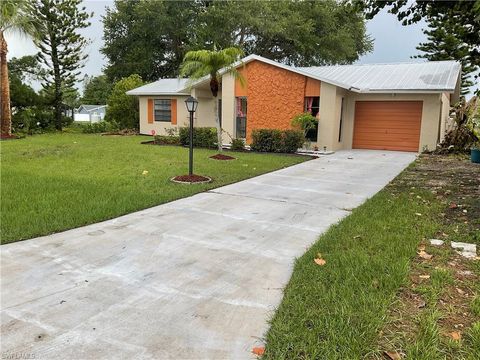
89	108
162	87
432	76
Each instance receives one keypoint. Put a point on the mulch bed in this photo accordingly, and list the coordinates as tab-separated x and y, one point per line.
191	179
222	157
8	137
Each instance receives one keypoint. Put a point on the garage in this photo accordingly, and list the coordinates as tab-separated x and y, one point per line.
387	125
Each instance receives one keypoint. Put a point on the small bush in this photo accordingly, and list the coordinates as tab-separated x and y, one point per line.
98	127
308	124
237	145
205	137
292	140
167	140
273	140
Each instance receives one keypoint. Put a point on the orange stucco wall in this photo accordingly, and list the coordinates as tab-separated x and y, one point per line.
274	95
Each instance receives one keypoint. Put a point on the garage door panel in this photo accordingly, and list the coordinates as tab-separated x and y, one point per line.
380	131
387	125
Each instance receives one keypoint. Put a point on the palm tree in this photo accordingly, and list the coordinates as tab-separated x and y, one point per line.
15	16
201	63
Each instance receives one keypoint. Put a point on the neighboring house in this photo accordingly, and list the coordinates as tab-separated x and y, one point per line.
90	113
382	106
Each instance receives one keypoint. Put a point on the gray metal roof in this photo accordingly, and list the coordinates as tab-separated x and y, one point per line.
429	76
162	87
91	107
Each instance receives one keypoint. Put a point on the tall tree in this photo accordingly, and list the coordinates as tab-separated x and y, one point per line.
15	16
301	33
148	38
97	90
444	44
151	37
61	47
21	71
200	63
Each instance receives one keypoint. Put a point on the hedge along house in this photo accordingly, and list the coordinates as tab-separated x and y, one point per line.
383	106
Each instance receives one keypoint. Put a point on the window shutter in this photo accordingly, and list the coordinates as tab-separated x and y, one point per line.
174	111
150	111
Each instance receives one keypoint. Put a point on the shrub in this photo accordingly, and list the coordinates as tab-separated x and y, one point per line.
273	140
122	109
167	140
308	124
98	127
35	120
293	140
205	137
237	145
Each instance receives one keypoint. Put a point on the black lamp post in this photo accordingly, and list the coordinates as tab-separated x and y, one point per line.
191	104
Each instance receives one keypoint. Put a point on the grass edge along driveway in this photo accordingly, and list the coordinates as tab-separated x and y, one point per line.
337	311
56	182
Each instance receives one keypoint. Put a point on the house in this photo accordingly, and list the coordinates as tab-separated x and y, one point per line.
402	106
90	113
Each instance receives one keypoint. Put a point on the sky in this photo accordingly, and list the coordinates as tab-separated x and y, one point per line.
392	41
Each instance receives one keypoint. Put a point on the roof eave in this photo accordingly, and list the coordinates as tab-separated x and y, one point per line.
403	91
146	93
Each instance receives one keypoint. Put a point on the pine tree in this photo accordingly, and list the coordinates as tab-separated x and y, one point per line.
61	47
444	43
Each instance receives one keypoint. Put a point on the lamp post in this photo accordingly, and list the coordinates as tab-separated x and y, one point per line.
191	104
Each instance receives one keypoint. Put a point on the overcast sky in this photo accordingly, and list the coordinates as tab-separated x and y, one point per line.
392	41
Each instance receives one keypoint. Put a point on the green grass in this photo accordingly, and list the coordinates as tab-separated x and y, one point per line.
55	182
335	311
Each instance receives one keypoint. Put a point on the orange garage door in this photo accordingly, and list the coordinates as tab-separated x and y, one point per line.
387	125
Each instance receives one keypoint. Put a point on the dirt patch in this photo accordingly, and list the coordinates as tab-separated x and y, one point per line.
222	157
453	180
191	179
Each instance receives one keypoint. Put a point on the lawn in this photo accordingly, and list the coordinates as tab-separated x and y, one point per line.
55	182
375	294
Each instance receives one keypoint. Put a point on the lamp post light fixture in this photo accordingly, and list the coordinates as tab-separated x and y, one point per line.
191	104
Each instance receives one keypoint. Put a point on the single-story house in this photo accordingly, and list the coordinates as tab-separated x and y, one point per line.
90	113
402	106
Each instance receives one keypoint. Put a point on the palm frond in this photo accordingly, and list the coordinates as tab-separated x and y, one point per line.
201	63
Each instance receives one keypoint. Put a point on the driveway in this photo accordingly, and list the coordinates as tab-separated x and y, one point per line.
194	278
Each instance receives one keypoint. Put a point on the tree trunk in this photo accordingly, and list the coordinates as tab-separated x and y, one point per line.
217	122
58	95
5	111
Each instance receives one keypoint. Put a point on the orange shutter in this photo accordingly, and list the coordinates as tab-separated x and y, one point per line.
173	118
150	111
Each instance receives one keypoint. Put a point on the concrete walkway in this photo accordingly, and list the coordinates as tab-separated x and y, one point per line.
194	278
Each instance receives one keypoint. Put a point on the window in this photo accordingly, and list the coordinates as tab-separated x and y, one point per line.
312	105
341	122
241	116
162	110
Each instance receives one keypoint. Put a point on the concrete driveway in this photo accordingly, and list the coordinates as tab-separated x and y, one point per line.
194	278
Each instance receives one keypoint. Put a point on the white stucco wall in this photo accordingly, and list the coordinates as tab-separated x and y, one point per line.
228	107
330	104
